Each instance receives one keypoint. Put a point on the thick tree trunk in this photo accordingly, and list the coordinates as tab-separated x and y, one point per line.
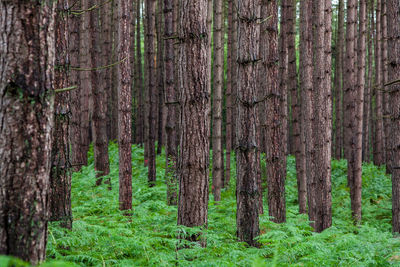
139	81
27	53
75	122
100	142
393	18
171	97
247	154
60	174
194	101
124	106
338	83
151	88
320	118
218	81
379	134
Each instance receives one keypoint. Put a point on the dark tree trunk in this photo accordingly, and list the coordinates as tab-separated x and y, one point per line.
171	97
60	174
194	101
151	88
26	121
124	106
106	52
77	153
393	18
100	142
113	99
247	154
338	82
321	102
139	80
218	83
160	76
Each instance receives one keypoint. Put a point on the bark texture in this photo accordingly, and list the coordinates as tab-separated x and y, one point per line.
247	154
27	54
139	80
124	106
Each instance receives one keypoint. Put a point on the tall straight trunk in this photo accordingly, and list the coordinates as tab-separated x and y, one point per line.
355	159
113	100
75	95
124	106
100	144
160	76
171	96
306	69
26	120
367	88
338	82
133	70
283	72
194	100
151	88
275	144
295	105
393	18
209	55
320	117
85	77
379	134
218	82
228	95
385	96
106	53
234	72
247	154
139	80
60	174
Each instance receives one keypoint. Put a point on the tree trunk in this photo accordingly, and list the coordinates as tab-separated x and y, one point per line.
379	135
247	154
171	97
26	120
113	100
338	83
100	142
194	101
151	88
139	80
320	118
218	81
160	76
393	18
60	174
124	106
106	52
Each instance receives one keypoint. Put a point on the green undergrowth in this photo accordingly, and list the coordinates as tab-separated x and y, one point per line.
103	236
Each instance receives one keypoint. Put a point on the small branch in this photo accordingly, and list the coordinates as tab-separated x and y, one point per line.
66	89
101	67
392	82
96	6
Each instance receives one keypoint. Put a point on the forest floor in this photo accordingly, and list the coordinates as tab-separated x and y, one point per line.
103	236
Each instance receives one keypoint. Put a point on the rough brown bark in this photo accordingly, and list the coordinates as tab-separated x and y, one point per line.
171	96
379	135
60	174
27	51
234	72
393	18
194	100
218	82
139	81
320	118
100	140
160	77
151	88
124	106
306	86
338	82
75	122
113	99
247	154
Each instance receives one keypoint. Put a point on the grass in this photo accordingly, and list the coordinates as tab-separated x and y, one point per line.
102	236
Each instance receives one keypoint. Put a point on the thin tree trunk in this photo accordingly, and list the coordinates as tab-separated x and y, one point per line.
60	174
124	106
26	121
171	96
139	80
247	154
106	52
393	18
160	76
194	101
113	100
218	71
